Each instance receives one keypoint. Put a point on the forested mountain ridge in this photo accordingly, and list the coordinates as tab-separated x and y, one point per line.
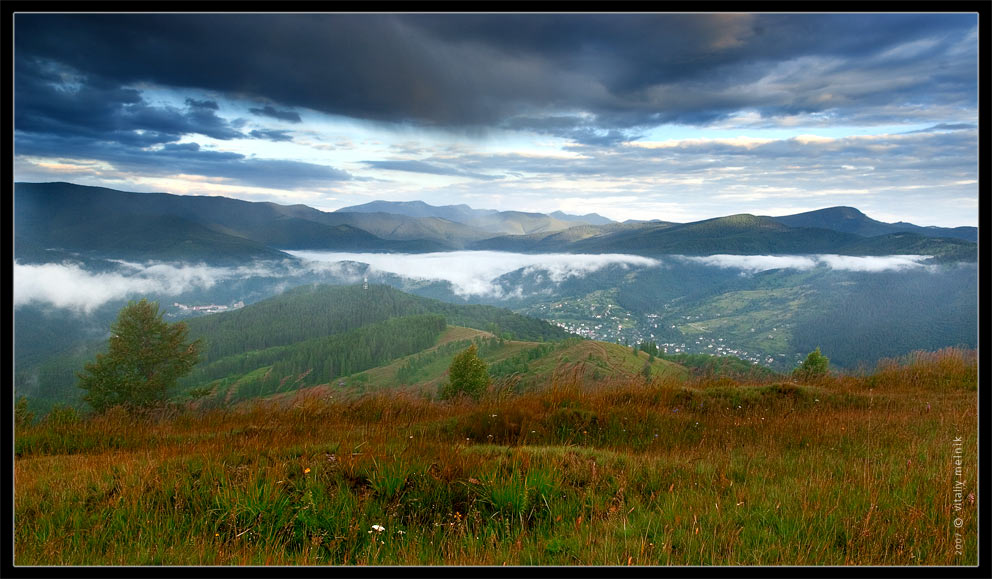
742	234
490	220
316	329
97	219
109	223
314	311
318	334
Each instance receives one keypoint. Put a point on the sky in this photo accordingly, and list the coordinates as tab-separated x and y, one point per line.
678	117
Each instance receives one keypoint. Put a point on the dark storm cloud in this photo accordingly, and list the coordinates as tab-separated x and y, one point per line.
204	104
270	111
473	70
58	100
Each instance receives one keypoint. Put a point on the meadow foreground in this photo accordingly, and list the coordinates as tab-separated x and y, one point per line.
844	470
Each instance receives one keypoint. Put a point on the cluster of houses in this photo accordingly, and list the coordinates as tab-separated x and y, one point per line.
209	308
609	328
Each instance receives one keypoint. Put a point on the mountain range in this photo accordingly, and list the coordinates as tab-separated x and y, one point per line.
55	219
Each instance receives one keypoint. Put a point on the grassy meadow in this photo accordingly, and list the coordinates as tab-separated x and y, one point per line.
846	470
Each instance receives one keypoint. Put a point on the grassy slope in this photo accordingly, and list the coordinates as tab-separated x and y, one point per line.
590	360
847	471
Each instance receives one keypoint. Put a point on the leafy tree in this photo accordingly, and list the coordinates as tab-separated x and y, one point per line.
466	375
145	357
814	366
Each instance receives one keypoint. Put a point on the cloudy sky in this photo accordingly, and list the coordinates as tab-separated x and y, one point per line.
670	116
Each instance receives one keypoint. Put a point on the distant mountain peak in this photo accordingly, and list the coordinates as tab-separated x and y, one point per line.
590	218
852	220
491	220
842	211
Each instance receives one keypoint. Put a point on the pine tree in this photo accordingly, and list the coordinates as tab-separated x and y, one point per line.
466	375
145	358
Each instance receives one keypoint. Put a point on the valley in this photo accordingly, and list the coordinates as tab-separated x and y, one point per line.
767	309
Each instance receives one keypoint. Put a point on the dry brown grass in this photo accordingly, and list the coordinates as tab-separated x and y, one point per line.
849	470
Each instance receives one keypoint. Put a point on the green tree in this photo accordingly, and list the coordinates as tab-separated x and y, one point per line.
466	375
145	357
815	365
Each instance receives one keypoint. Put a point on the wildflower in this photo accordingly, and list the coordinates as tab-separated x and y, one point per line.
306	470
377	528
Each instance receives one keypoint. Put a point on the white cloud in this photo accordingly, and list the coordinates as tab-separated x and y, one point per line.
756	263
470	273
873	263
69	286
474	272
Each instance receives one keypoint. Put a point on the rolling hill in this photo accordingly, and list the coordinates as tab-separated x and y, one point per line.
742	234
380	337
213	229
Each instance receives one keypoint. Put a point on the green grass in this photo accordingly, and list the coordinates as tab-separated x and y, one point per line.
850	470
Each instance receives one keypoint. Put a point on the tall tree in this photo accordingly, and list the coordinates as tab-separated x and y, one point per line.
466	375
145	357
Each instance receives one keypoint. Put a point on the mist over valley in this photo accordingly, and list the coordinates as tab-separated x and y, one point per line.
767	309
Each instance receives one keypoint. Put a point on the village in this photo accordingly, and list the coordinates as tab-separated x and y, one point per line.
613	324
186	310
